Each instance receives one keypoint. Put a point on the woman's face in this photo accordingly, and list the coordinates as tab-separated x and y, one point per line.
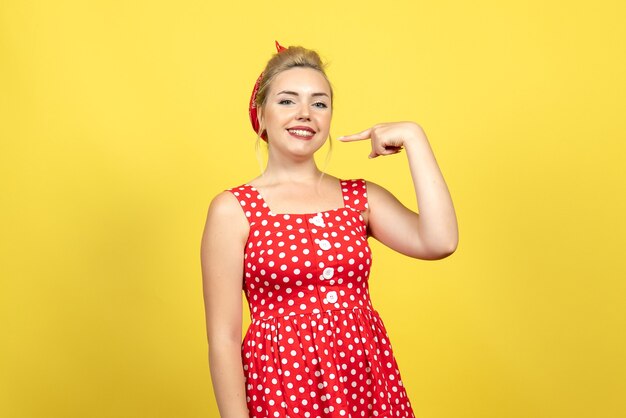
297	111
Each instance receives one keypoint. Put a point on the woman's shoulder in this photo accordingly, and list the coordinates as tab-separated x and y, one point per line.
372	191
379	196
362	183
225	206
225	220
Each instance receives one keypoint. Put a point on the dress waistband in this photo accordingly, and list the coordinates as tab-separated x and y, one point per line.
277	318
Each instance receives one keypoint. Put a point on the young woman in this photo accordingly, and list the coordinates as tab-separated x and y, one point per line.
295	240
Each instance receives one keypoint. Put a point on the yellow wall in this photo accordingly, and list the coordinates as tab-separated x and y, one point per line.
119	121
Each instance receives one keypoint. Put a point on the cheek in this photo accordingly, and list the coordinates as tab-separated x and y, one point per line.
325	118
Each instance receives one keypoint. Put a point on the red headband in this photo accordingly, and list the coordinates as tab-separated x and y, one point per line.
252	106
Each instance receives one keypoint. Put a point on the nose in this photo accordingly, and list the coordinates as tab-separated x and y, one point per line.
303	111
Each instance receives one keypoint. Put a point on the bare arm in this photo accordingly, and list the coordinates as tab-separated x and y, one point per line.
222	250
433	233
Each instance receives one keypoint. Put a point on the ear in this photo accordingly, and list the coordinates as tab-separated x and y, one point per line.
259	118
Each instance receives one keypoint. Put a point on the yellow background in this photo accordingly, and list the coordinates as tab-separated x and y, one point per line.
119	122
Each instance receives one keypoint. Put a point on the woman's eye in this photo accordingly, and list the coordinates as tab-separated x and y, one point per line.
320	105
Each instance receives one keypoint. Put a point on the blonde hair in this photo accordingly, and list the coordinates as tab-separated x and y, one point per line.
294	56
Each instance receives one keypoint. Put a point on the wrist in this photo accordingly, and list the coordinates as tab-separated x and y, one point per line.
416	136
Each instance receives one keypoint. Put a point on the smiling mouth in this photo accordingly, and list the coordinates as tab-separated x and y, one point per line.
301	133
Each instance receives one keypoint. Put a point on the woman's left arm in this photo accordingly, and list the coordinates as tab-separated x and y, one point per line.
433	233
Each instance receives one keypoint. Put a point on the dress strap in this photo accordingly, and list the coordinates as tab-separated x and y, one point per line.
355	194
251	202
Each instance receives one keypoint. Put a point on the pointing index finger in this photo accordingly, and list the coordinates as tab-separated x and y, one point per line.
356	137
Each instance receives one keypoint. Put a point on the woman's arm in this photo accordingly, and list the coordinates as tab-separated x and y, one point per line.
433	233
222	250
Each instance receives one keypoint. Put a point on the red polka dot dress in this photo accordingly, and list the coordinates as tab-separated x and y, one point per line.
315	347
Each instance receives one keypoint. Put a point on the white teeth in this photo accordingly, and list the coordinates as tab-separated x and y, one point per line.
301	132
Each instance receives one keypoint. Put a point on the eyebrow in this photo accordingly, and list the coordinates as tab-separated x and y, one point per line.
293	93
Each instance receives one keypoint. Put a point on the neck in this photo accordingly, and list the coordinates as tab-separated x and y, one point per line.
290	170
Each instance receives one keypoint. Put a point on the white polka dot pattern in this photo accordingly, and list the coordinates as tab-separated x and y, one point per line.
315	346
